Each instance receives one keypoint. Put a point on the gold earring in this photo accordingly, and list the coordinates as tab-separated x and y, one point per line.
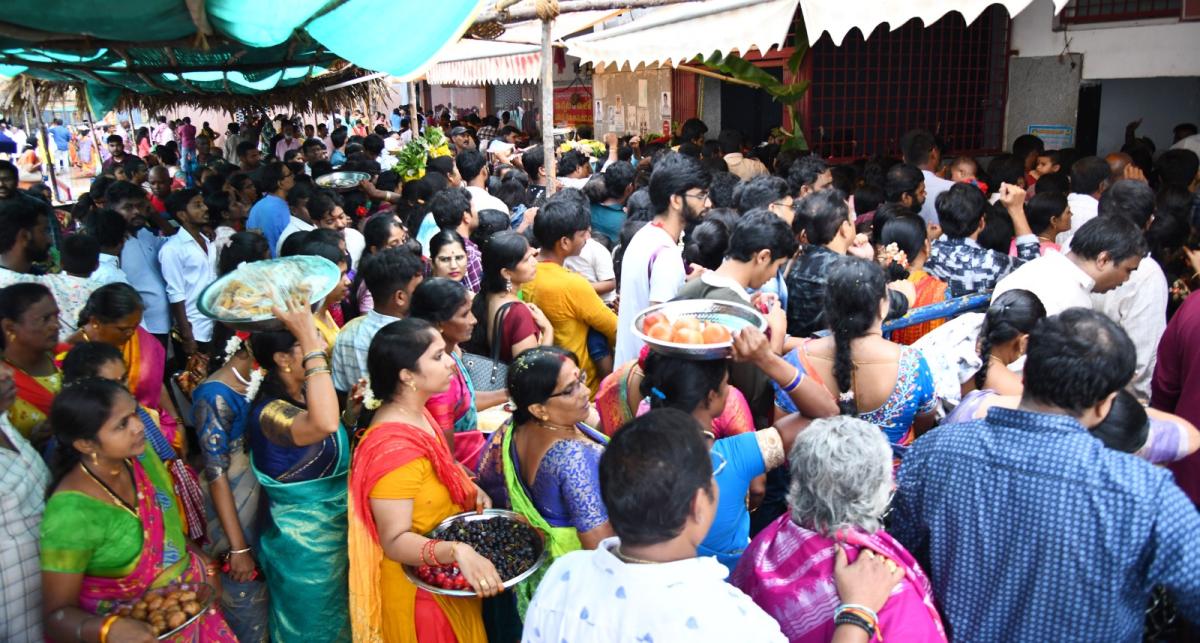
412	386
95	459
287	369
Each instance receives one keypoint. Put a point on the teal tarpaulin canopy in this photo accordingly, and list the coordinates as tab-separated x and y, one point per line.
210	52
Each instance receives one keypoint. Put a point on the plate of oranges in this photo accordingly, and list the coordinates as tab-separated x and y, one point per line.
695	328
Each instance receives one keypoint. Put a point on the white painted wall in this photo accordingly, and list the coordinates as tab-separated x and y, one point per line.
1144	49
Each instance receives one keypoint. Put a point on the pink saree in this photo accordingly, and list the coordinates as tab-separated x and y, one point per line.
146	360
98	595
788	571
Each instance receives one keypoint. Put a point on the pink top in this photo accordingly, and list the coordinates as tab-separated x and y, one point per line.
1046	245
187	136
788	571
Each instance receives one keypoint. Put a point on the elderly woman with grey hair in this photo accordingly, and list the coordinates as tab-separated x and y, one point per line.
841	486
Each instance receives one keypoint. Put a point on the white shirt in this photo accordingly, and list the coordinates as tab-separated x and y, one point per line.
109	271
950	351
1190	143
593	596
481	200
1084	208
139	261
1055	280
387	161
594	263
934	185
642	283
355	244
295	224
1140	307
188	269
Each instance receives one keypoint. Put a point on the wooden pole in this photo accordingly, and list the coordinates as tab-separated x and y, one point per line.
529	10
412	110
96	139
37	105
548	104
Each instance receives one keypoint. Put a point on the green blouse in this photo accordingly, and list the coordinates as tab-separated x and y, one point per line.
85	535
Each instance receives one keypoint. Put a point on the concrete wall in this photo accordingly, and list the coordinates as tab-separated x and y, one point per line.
606	86
1042	90
1161	103
1136	49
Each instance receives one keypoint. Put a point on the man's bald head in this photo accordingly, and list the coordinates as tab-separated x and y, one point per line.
1117	162
160	181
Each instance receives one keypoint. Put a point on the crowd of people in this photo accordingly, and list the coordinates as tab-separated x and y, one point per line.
957	424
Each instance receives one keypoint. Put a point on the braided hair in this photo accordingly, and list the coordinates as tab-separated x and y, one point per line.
1010	315
854	289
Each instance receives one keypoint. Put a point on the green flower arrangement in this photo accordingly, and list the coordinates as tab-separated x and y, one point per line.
412	158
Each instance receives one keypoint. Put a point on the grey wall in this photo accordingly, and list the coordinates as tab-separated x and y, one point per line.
1042	90
710	89
1161	103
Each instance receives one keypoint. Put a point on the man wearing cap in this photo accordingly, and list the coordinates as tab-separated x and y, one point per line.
462	139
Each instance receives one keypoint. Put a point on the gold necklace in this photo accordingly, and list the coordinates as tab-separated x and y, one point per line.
630	559
551	427
119	500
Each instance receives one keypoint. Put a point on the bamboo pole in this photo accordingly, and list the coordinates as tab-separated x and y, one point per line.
37	106
529	11
712	74
412	110
548	104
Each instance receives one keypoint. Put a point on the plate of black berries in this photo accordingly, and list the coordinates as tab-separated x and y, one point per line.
506	538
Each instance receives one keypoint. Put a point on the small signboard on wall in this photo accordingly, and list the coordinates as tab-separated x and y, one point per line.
1056	137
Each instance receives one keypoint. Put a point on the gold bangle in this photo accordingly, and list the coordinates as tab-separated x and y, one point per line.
314	355
106	626
312	372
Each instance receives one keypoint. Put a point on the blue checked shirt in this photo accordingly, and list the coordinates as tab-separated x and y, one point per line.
969	268
1032	530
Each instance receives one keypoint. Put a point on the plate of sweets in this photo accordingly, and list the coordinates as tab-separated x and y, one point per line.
243	299
169	610
506	538
698	329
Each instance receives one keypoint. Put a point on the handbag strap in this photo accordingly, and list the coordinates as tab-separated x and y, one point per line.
498	330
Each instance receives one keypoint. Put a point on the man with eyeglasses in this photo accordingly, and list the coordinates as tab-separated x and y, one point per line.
652	268
271	214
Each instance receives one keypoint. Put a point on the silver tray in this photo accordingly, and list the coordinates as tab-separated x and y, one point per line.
731	315
206	595
323	273
411	570
342	181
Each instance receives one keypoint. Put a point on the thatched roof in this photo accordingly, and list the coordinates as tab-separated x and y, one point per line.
27	91
219	53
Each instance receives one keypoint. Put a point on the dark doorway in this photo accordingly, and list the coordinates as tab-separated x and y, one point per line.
750	110
1087	122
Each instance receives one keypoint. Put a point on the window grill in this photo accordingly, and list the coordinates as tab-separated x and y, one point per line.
950	78
1086	11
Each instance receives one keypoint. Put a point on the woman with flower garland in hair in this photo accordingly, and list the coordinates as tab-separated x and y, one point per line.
874	380
906	233
971	353
220	409
301	455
